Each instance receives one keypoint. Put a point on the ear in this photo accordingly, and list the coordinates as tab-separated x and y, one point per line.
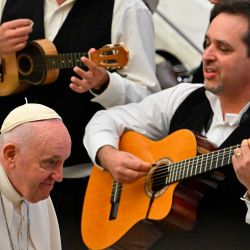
9	153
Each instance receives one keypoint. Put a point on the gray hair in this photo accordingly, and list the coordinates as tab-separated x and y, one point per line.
21	135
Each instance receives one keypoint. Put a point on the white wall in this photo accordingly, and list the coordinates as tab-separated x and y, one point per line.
191	17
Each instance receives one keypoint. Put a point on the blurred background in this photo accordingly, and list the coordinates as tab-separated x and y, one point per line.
180	27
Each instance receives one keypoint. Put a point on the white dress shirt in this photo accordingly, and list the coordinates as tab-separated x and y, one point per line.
151	117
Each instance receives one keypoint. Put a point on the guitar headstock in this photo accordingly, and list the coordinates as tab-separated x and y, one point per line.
110	56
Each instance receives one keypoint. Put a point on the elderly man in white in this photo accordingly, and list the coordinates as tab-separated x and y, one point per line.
34	143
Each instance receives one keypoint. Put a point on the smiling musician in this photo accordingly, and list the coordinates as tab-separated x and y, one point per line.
218	109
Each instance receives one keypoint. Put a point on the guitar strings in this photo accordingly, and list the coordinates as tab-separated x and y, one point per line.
53	61
180	167
111	55
222	155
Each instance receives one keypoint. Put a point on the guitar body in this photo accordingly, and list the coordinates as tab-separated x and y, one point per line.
28	67
98	230
9	82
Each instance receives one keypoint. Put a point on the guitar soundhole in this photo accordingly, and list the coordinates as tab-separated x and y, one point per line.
156	178
25	64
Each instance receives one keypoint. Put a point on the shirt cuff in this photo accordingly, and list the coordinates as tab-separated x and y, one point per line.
247	201
113	95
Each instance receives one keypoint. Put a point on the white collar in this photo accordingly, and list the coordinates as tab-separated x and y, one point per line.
230	118
7	189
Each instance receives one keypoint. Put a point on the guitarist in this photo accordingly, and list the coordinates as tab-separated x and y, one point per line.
219	109
75	26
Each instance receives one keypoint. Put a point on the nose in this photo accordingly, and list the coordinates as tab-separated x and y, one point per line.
209	54
57	175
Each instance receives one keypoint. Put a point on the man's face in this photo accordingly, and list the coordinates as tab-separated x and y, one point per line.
226	66
39	164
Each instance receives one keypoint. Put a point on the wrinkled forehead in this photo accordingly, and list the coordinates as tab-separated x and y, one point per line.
51	136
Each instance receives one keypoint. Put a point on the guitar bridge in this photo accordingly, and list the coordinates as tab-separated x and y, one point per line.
115	199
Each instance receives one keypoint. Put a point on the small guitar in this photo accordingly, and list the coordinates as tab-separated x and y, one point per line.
39	63
110	209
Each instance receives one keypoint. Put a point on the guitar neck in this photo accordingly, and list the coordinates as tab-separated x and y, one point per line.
198	165
64	61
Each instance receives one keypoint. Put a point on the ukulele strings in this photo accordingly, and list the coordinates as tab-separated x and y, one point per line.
54	61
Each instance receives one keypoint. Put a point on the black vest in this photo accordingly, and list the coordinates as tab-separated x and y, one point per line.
195	113
86	26
222	204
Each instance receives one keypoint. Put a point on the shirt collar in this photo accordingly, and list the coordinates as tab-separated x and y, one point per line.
230	118
7	189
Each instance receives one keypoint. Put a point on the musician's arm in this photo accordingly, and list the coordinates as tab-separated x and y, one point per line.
106	127
132	25
137	80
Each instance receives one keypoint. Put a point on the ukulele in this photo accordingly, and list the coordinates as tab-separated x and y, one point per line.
39	63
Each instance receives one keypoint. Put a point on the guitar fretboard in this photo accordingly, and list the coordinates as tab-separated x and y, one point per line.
64	61
197	165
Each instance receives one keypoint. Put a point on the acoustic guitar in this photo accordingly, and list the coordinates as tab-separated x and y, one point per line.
39	63
110	208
